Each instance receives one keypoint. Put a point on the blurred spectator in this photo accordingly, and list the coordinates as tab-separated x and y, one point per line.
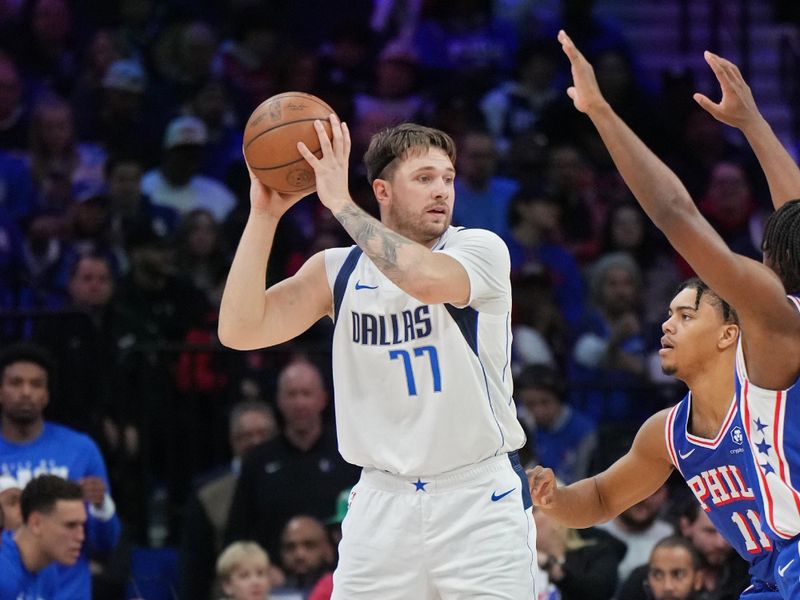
177	183
627	229
50	538
483	196
573	183
14	111
17	192
10	492
535	246
609	358
117	120
62	167
201	256
640	528
674	572
46	44
85	343
44	261
582	564
300	471
243	572
212	105
564	439
29	446
306	554
100	53
206	511
346	60
516	105
539	333
130	208
730	207
394	98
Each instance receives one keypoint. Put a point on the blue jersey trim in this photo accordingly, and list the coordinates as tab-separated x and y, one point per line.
467	321
342	277
527	501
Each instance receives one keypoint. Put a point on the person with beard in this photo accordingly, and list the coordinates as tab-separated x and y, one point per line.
701	437
674	571
306	554
421	350
29	446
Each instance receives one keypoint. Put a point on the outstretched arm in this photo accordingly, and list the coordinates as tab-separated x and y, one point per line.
634	477
430	277
771	325
738	108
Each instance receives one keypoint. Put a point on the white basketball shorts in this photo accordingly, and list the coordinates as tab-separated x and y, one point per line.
467	533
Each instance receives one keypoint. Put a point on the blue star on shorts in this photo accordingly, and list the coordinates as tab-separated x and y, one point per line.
420	484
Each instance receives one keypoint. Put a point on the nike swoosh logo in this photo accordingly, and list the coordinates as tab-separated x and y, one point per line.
360	286
781	571
496	496
272	467
687	455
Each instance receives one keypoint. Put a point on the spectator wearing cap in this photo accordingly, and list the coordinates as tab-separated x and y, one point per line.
10	492
564	439
118	119
176	182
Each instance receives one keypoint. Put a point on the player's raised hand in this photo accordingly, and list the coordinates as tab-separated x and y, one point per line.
264	200
542	483
584	91
331	170
737	107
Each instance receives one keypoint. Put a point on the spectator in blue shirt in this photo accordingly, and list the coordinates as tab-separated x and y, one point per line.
52	534
31	446
564	439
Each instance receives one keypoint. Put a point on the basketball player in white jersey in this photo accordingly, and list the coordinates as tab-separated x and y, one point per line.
421	348
768	360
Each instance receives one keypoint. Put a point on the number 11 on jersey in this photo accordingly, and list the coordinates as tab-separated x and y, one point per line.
409	369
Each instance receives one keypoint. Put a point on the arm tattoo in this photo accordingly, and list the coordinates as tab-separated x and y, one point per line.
376	240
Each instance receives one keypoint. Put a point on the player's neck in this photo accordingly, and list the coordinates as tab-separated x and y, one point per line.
31	556
712	394
18	433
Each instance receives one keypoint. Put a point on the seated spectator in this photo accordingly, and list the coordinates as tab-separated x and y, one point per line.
14	110
201	255
639	528
52	534
483	195
674	572
177	182
10	492
564	439
608	365
251	423
306	555
581	564
537	325
243	572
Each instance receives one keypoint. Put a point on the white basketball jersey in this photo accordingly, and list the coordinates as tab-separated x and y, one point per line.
423	389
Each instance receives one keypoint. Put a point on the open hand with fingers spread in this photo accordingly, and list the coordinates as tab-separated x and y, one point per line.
542	483
331	170
737	106
584	91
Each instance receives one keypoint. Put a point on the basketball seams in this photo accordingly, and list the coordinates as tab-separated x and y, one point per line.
316	153
278	126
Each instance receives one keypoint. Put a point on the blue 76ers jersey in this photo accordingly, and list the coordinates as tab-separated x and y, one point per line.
772	420
718	473
423	389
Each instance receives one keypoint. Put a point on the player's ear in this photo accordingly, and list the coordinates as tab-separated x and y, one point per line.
729	337
382	190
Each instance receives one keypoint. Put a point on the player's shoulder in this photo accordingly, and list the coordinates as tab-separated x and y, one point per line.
66	435
472	239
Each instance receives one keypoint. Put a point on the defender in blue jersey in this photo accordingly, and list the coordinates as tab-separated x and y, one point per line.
769	357
31	446
702	437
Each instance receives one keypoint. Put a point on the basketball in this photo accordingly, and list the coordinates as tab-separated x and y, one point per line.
271	136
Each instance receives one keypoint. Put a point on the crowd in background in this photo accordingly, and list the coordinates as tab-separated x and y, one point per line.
123	193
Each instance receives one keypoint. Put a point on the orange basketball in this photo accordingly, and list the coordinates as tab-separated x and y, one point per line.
271	136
